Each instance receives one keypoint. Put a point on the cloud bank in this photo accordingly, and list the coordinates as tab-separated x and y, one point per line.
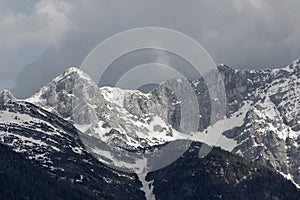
241	33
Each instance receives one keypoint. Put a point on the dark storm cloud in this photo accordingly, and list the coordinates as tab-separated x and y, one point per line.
240	33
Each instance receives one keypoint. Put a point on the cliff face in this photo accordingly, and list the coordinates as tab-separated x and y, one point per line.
270	132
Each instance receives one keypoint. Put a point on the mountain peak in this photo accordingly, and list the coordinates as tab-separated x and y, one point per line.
225	68
73	72
57	96
6	96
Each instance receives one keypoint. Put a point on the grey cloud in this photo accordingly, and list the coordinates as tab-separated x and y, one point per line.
247	34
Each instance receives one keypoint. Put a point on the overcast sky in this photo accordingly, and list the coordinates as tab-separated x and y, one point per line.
39	39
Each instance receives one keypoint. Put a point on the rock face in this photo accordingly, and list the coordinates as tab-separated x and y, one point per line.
270	132
6	97
270	100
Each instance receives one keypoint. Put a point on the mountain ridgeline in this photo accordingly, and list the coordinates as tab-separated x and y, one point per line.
44	156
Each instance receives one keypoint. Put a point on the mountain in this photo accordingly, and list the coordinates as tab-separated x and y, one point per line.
105	111
262	108
262	126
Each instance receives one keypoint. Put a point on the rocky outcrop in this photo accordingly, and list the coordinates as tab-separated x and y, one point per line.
6	97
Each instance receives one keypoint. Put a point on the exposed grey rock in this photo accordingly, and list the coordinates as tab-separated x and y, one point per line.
6	96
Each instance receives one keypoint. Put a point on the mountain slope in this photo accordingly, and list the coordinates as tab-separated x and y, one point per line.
54	145
220	175
21	179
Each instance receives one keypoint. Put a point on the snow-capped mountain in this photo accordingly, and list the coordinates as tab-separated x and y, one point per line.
262	125
264	102
125	118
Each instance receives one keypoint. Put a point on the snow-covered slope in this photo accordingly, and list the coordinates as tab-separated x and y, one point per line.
54	144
